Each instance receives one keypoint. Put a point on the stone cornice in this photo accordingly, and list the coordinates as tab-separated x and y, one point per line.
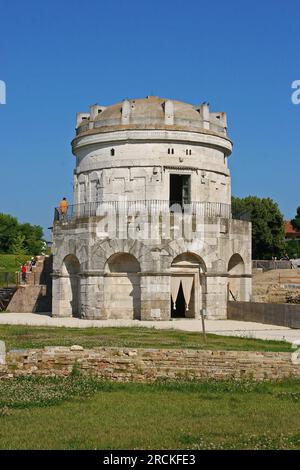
150	273
126	135
124	127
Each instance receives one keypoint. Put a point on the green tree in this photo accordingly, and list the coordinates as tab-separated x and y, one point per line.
11	232
296	221
293	248
8	232
268	238
33	238
18	247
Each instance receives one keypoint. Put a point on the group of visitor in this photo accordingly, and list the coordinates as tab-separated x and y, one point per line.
63	209
25	266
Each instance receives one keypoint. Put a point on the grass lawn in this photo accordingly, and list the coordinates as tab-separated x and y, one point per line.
85	413
12	263
22	337
9	264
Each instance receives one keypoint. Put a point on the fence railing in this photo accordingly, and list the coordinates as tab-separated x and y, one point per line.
90	209
8	279
267	265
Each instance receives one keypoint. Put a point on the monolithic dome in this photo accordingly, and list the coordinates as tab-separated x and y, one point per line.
150	234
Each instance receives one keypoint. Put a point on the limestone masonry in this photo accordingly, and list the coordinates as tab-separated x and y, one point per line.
148	365
150	234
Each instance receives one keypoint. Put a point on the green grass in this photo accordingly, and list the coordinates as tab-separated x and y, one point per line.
22	337
12	263
9	264
85	413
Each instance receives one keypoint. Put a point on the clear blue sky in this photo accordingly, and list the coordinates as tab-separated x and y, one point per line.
59	57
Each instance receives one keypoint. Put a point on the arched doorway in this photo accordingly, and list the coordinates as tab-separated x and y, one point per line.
71	286
188	286
236	281
122	293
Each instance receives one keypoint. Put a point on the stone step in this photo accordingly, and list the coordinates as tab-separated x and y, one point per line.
34	295
40	273
6	295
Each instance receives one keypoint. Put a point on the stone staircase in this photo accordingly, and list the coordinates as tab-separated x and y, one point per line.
36	294
6	294
40	273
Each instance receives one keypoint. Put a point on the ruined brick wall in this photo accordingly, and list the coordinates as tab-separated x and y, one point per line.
148	365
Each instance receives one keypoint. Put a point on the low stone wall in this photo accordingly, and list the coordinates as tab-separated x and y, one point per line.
148	365
269	313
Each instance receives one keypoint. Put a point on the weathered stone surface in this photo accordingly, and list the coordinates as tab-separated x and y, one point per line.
2	353
148	365
132	151
76	347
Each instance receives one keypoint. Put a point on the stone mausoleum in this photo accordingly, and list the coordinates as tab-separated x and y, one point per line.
150	234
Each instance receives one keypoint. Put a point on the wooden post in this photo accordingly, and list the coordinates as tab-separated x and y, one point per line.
203	325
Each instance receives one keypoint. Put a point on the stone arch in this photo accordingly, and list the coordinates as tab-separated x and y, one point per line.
236	279
178	247
188	257
122	292
188	285
122	262
79	250
70	286
103	251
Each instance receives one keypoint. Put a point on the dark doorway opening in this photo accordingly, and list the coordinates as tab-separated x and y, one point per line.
180	305
180	189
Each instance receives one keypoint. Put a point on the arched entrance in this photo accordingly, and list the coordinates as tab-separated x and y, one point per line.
187	286
236	281
122	294
71	286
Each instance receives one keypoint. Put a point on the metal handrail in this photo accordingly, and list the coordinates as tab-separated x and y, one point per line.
154	206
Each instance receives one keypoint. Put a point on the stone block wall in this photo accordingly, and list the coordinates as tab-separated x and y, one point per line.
148	365
269	313
28	299
149	297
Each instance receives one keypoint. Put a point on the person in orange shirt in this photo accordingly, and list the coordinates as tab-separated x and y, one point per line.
63	207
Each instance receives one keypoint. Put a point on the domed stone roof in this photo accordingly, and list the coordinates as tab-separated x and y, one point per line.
151	112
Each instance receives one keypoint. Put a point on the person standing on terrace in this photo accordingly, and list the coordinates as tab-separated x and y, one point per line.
63	208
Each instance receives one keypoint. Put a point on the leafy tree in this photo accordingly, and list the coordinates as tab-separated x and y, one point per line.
26	237
268	238
293	248
17	246
8	232
33	238
296	221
